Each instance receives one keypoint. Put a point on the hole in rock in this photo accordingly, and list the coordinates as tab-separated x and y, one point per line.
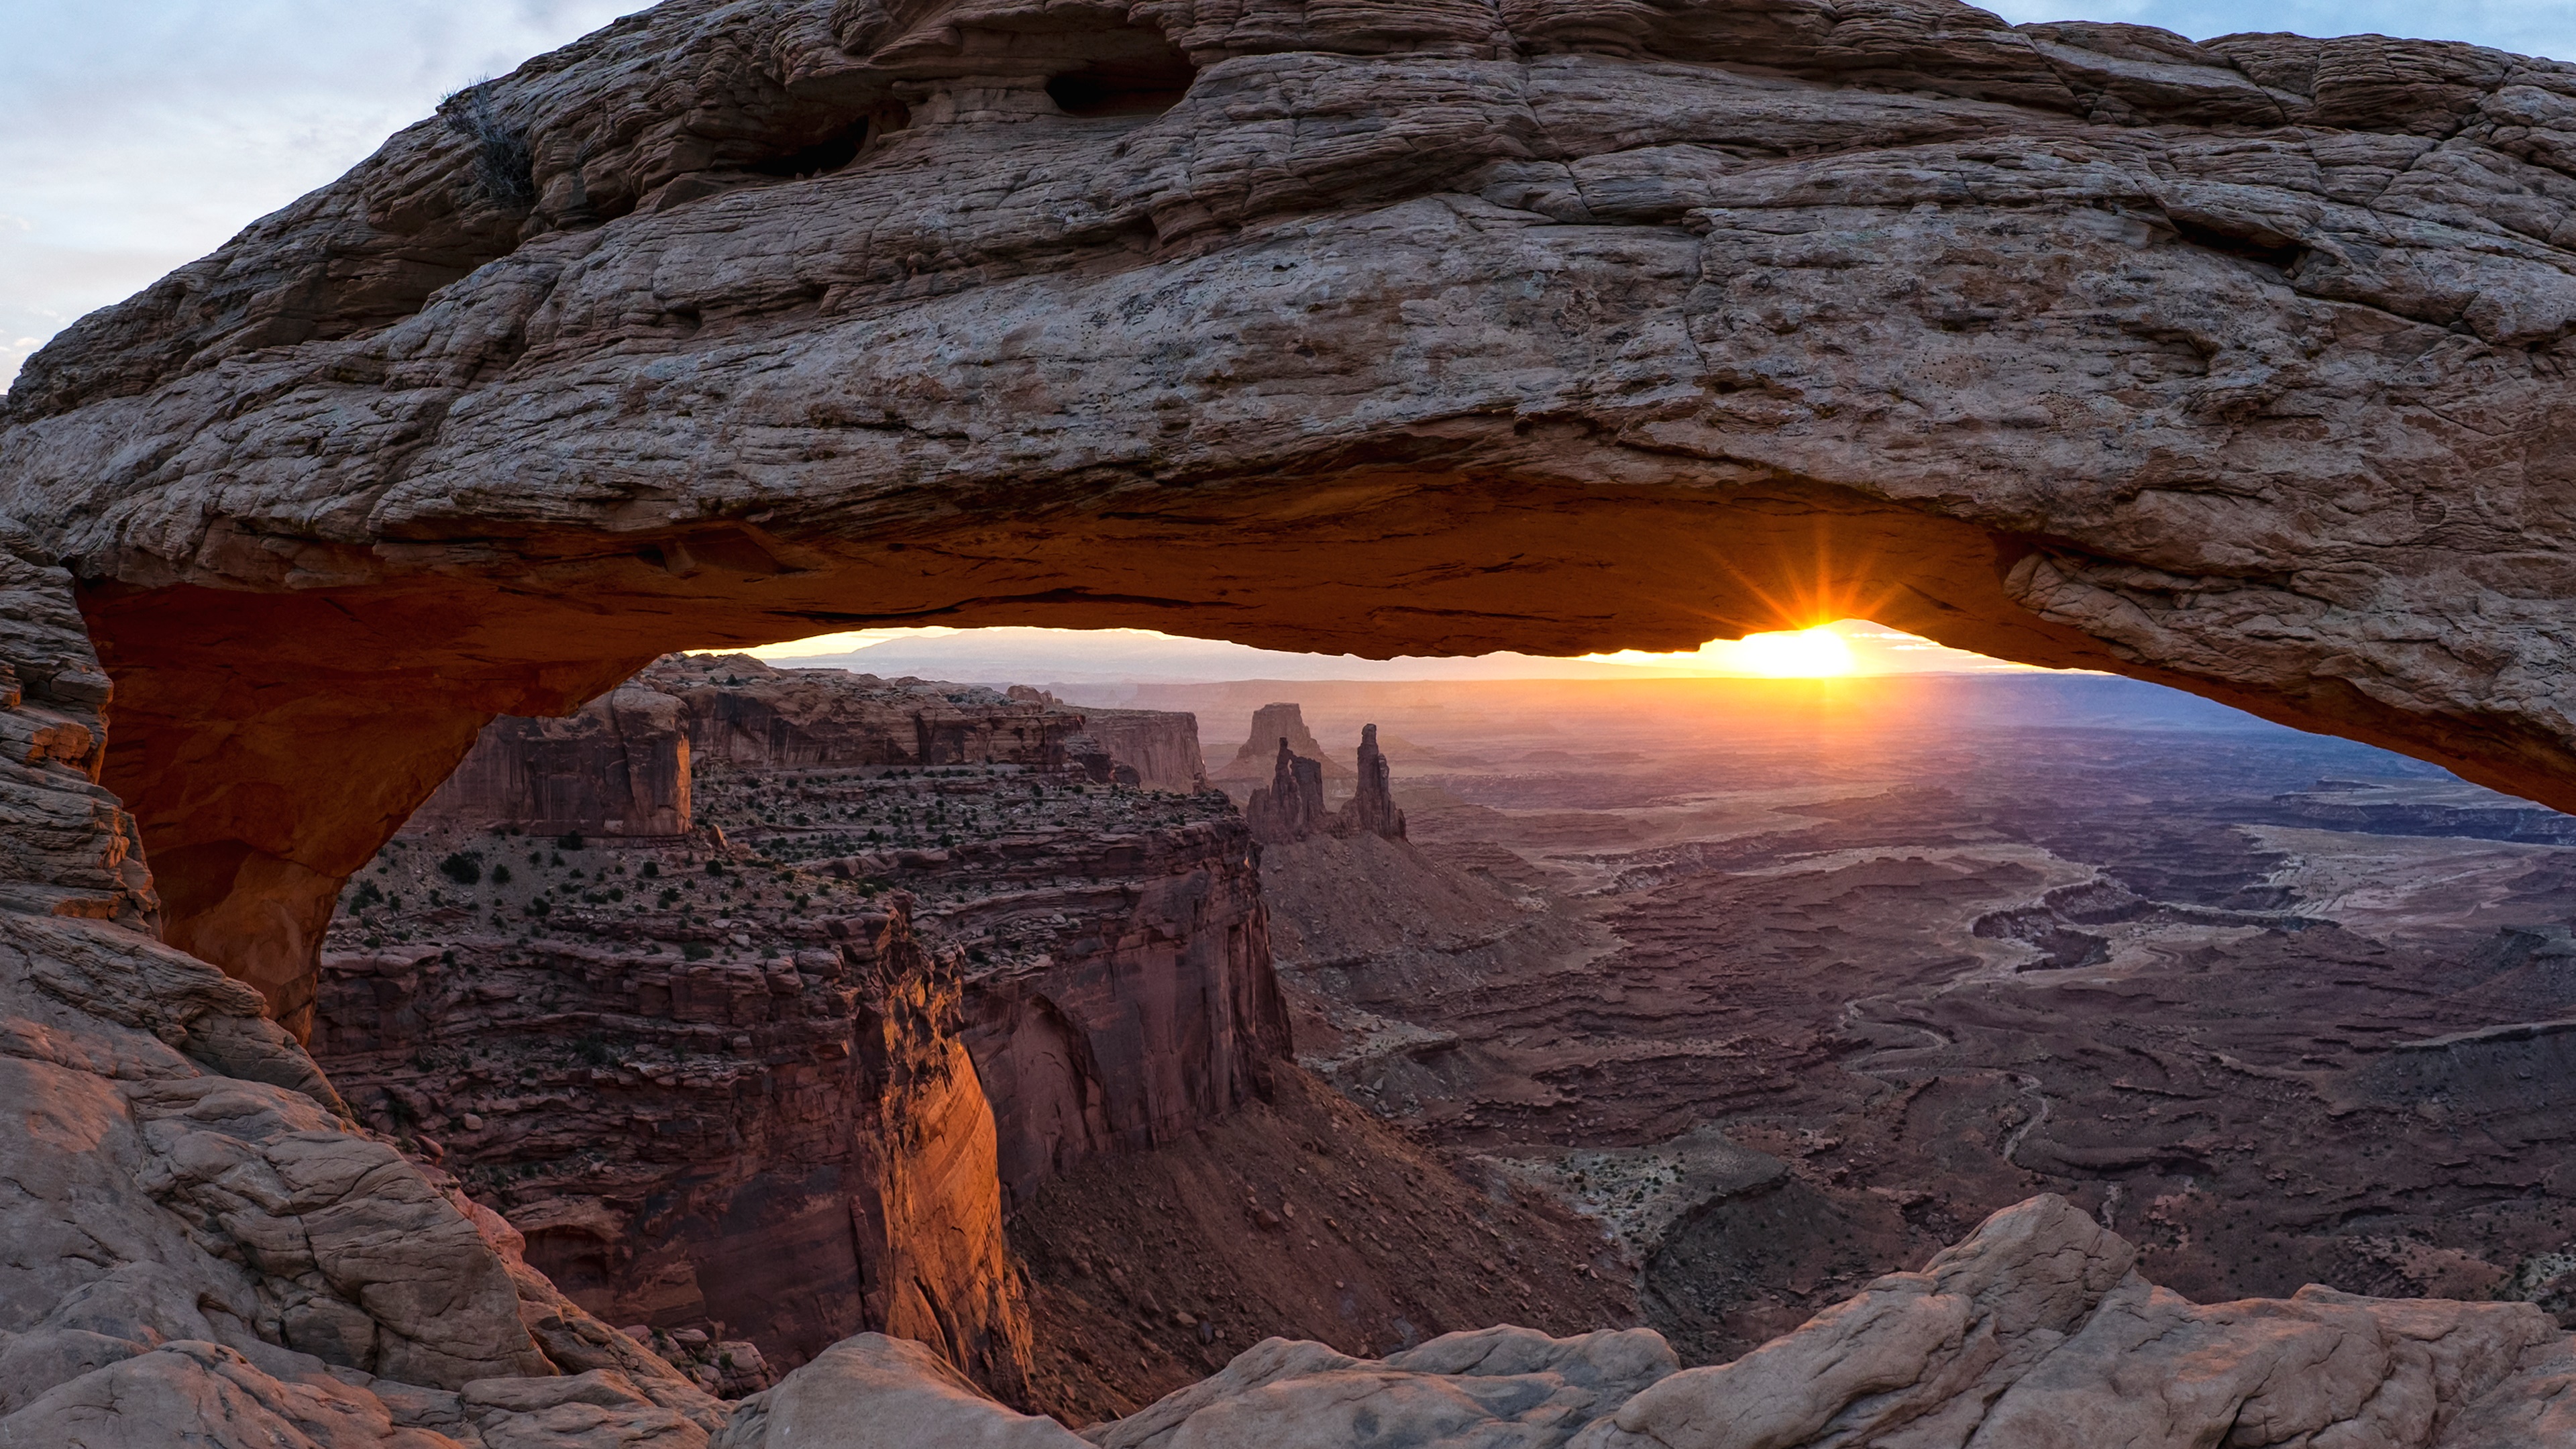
841	147
1148	84
2286	256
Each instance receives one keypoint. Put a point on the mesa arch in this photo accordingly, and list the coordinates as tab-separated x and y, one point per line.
1416	326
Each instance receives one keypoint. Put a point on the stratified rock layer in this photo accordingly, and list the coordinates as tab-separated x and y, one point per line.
724	1091
618	767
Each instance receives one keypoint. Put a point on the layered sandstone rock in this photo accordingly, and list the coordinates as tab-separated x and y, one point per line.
740	711
1158	749
785	1150
621	764
1403	327
618	767
1292	808
1275	724
682	1066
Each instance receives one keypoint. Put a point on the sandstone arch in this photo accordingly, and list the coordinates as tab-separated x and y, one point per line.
1415	327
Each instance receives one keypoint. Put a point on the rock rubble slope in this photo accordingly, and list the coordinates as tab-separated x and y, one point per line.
2034	1333
1418	326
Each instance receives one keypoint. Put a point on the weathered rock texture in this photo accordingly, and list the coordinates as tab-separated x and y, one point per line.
1552	326
786	1151
2035	1333
1408	326
194	1246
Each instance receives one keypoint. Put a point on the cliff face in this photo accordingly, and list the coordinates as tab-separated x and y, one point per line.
619	767
621	764
784	1150
1147	1008
1160	747
198	1245
740	711
723	1092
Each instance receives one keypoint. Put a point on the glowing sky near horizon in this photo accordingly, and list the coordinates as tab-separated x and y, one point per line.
1847	647
143	133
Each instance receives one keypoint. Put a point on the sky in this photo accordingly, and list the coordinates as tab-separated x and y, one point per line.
1068	656
140	134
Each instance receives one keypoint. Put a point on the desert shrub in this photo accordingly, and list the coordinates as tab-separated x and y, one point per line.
570	840
367	896
696	950
651	868
463	867
504	168
500	875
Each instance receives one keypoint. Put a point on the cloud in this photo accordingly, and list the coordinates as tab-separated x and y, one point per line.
144	133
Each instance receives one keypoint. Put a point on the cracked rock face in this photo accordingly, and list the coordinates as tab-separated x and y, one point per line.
1408	327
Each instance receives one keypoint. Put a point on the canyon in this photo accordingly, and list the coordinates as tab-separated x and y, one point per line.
2234	366
791	1075
1788	983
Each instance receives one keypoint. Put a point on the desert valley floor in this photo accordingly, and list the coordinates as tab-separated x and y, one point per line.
1792	983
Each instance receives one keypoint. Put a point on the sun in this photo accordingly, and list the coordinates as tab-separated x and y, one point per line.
1802	654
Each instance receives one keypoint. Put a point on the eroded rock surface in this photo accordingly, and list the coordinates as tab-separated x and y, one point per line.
2034	1333
1291	808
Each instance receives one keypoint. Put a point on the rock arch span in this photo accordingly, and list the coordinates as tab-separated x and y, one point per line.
1418	327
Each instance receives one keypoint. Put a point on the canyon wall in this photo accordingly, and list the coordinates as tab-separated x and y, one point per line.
740	711
786	1151
1152	1010
1160	747
618	767
199	1244
722	1090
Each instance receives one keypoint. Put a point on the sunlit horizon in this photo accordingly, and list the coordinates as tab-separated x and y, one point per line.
1847	648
